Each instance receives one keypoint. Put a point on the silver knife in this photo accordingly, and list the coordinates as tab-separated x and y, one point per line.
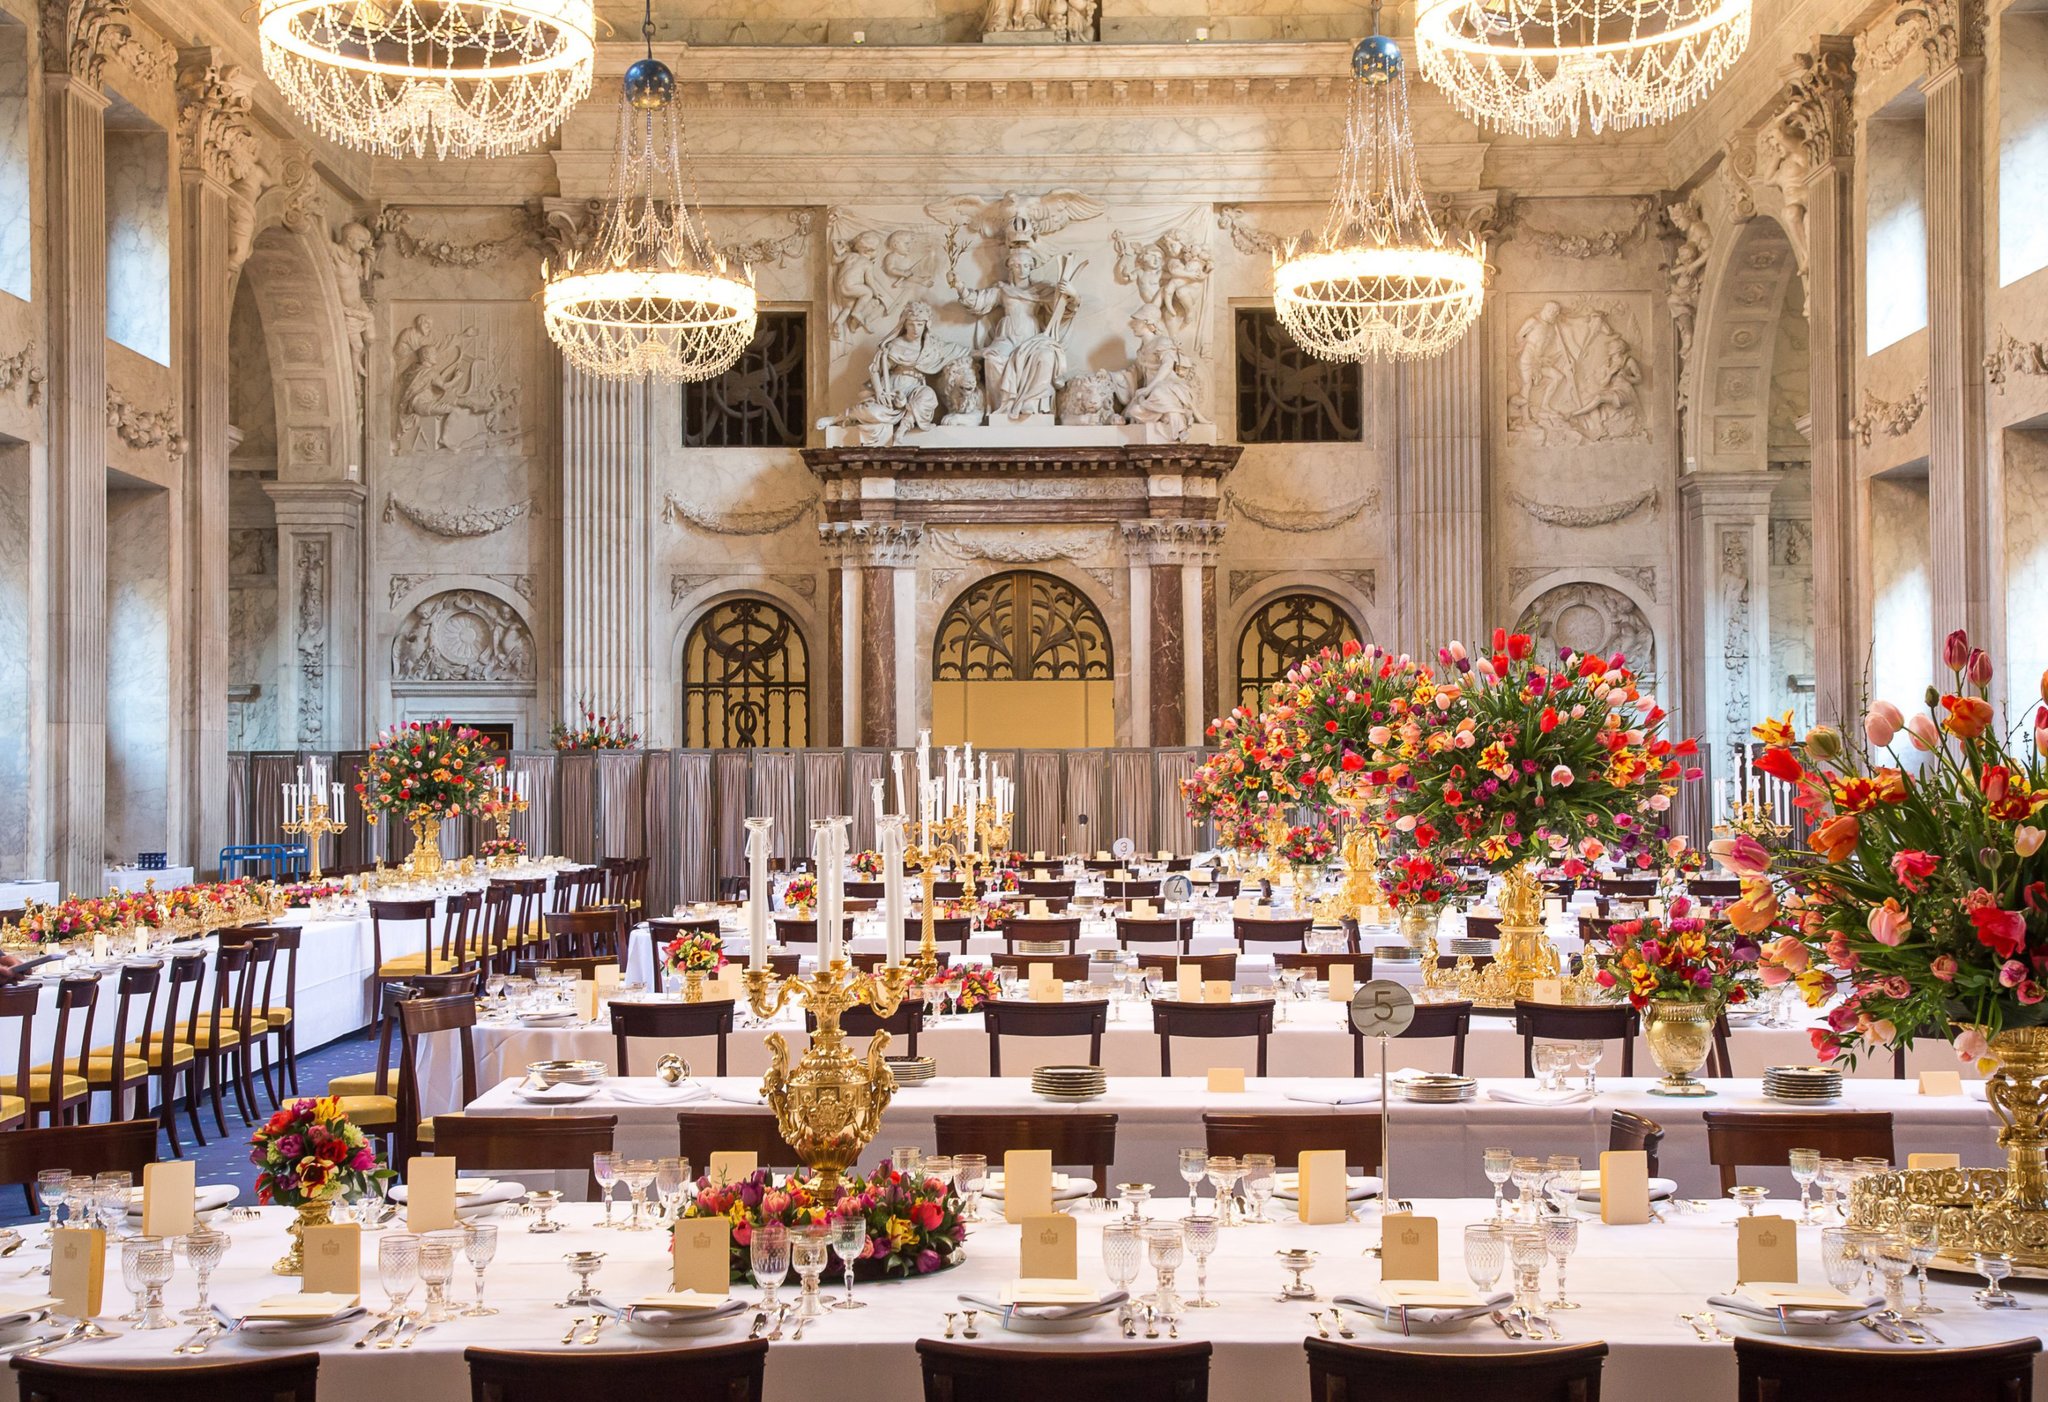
376	1331
70	1337
397	1328
1507	1325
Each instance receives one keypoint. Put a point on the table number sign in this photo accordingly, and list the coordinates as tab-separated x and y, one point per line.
1050	1250
1027	1184
703	1255
168	1190
1766	1249
430	1194
731	1165
334	1260
1408	1248
78	1263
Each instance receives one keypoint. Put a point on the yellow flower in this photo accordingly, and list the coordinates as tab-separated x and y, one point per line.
902	1232
1775	732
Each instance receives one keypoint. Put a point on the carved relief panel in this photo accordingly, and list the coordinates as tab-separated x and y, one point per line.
460	376
1578	368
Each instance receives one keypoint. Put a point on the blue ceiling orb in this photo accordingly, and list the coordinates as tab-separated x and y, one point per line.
1377	59
649	85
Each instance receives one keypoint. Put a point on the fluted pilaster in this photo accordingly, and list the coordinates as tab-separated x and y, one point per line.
1439	497
607	516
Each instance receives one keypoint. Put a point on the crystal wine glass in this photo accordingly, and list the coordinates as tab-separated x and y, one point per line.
1123	1256
604	1167
1923	1237
768	1255
849	1240
1561	1239
970	1171
1841	1257
1561	1182
1995	1266
81	1200
1486	1253
480	1244
1527	1250
1528	1175
153	1271
1199	1232
1805	1166
111	1193
437	1268
1586	1057
50	1186
1194	1165
398	1269
671	1179
637	1175
1259	1170
1224	1170
941	1168
1892	1256
1163	1245
131	1273
202	1249
1500	1166
809	1248
1833	1177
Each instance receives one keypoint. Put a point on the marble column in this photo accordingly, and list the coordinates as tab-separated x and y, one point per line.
217	149
74	294
607	519
1171	653
320	601
875	569
1963	499
1439	498
1726	519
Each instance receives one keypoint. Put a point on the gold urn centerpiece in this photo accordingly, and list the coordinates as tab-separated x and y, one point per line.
425	772
1680	1034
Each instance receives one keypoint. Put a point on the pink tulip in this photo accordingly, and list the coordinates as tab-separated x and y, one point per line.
1741	855
1926	734
1955	650
1562	776
1944	968
2027	840
1888	923
1978	668
1971	1045
1882	723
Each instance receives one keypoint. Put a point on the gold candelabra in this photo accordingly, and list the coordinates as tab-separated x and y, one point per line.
502	810
1754	819
830	1106
314	824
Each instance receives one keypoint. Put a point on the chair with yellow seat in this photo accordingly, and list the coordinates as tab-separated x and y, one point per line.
58	1091
391	923
170	1058
370	1098
582	934
19	1001
215	1035
123	1073
418	1019
529	895
276	1010
493	946
249	1009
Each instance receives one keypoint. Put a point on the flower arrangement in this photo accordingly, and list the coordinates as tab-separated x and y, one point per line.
596	730
503	848
694	951
1307	844
1251	775
867	865
913	1223
1002	879
303	893
310	1152
968	986
1418	881
1677	959
1923	903
993	915
428	769
193	909
801	892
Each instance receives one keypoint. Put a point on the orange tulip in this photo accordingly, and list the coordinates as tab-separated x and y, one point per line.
1837	837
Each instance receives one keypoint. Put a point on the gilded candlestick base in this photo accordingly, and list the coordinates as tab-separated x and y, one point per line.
1524	954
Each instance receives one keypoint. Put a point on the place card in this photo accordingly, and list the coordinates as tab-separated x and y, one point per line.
1408	1249
1553	905
1027	1184
1244	905
100	947
168	1190
78	1264
1226	1080
1143	910
1215	990
1546	990
1044	988
334	1260
1624	1187
1187	984
731	1165
1323	1187
1201	876
430	1194
1119	875
584	991
1048	1292
1933	1161
1039	909
1343	983
1038	856
1164	855
607	979
1941	1083
1101	856
1767	1249
702	1251
1050	1250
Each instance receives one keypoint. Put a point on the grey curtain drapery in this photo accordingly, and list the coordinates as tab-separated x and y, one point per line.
699	826
621	814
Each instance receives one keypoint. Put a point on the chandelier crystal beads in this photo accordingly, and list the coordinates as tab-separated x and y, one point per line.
1382	281
649	295
459	78
1545	67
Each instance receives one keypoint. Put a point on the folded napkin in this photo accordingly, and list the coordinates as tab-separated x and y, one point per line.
656	1093
734	1097
1531	1095
1347	1095
1796	1314
13	1307
1407	1314
302	1308
1075	1311
562	1094
686	1301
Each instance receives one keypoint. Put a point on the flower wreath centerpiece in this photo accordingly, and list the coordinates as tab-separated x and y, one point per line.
503	850
425	771
309	1155
800	894
913	1222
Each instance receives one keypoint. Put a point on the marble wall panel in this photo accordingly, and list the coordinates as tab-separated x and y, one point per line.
138	177
17	229
139	629
1902	590
2026	579
17	708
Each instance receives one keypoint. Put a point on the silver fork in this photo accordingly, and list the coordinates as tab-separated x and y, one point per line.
596	1329
397	1328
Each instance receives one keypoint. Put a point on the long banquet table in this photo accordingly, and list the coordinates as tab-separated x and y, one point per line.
1633	1283
1436	1148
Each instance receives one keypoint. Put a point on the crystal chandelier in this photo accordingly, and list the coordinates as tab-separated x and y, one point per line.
1541	67
649	295
1382	279
460	78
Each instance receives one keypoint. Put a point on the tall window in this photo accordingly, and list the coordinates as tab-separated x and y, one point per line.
746	679
1023	658
1282	633
759	402
1286	395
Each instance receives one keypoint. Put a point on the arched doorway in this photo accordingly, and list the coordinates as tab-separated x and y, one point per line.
1283	631
1023	658
746	679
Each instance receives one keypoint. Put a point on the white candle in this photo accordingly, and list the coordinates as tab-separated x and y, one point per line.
757	891
875	788
896	769
893	913
287	790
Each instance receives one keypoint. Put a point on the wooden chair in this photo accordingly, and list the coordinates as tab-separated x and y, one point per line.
867	963
1172	1019
119	1144
946	929
785	965
1044	929
1768	1371
118	1074
399	917
1067	968
861	1023
1319	965
702	1133
945	890
1432	1021
20	1001
1286	1136
790	931
1556	1022
1003	1017
1213	966
170	1056
1131	890
705	1373
525	1143
582	934
866	890
663	931
1173	930
584	966
288	1379
1225	887
1251	930
277	1013
1365	1373
1482	927
670	1022
1628	1130
418	1019
999	1373
1721	1061
1045	889
1080	1140
528	896
1760	1138
370	1098
58	1088
249	1020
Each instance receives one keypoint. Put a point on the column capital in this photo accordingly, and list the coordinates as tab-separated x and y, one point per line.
79	36
882	544
216	135
1172	541
1951	31
1817	95
1727	493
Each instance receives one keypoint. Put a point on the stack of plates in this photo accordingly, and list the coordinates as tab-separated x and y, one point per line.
1040	946
567	1073
1438	1088
911	1070
1473	947
1069	1082
1803	1084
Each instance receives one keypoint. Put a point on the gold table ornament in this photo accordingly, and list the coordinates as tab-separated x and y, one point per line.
313	824
501	811
830	1106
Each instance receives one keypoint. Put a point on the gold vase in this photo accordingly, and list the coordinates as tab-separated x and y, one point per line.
425	859
1681	1035
1417	925
693	985
311	1214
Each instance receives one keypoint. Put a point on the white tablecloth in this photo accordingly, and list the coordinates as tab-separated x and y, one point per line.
15	895
114	879
1632	1281
1436	1148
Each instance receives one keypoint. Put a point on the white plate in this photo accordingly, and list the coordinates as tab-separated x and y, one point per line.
666	1324
278	1333
1064	1188
1661	1189
548	1019
20	1326
1422	1326
1770	1328
208	1197
1023	1324
1357	1190
563	1094
477	1204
